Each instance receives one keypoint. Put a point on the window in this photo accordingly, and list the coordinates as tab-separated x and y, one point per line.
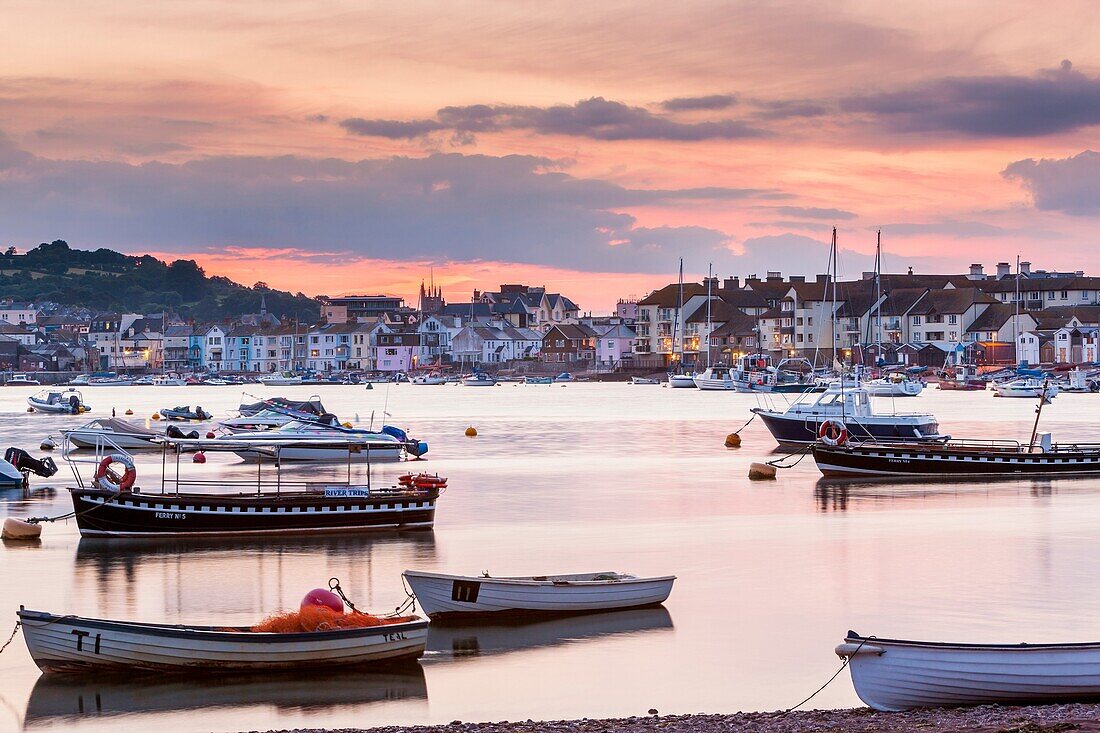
810	337
916	320
559	343
952	319
1050	295
1064	295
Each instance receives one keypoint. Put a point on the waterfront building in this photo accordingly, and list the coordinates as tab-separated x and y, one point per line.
396	352
615	344
359	307
568	343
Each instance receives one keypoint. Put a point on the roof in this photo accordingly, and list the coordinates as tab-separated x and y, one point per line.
572	331
739	324
620	331
1027	285
12	328
669	295
949	301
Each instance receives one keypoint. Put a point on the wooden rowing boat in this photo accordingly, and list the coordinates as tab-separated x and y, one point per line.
895	674
448	595
74	643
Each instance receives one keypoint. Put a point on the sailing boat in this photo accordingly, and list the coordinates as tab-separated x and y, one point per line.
680	379
897	384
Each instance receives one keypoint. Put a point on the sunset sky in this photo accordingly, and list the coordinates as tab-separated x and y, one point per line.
336	147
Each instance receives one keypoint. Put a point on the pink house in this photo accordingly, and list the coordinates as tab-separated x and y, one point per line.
396	352
616	342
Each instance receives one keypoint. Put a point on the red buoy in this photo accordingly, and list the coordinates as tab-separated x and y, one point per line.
210	434
322	597
198	458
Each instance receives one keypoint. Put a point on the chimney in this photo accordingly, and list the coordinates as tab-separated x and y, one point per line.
1079	273
976	272
752	279
477	295
798	278
1025	268
1003	270
775	276
822	278
713	282
732	283
869	275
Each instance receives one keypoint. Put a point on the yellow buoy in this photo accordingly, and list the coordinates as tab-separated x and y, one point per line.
347	424
471	432
129	412
733	440
156	416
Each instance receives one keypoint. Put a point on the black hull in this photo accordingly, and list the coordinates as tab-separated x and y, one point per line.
803	430
190	515
916	460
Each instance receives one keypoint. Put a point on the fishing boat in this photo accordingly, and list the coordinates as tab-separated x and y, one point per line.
895	674
755	373
68	401
300	440
481	379
431	378
801	423
538	380
22	379
645	380
76	644
1026	387
185	413
112	431
447	595
718	378
1076	381
962	378
281	379
113	505
895	385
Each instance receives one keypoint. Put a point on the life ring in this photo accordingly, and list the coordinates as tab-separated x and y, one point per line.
760	380
108	480
833	432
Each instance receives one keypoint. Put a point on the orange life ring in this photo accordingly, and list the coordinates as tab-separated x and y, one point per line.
108	480
833	432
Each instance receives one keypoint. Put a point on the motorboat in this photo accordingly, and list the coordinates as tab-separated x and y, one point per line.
112	432
282	379
311	406
1076	381
801	422
215	382
892	675
756	373
22	379
538	380
647	380
185	413
564	377
167	381
17	466
961	378
273	417
300	440
71	643
681	381
430	378
894	385
450	595
717	378
481	379
111	382
67	401
1026	387
80	380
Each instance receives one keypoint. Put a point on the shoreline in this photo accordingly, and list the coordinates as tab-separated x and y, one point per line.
982	719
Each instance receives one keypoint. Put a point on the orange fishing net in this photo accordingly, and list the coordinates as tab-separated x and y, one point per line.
320	618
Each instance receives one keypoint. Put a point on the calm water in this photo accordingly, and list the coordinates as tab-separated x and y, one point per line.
567	479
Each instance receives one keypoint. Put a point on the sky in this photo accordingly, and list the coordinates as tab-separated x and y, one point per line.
346	147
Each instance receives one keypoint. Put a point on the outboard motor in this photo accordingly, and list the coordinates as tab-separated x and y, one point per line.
74	404
25	462
173	432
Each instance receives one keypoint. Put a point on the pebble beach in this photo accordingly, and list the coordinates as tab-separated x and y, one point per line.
983	719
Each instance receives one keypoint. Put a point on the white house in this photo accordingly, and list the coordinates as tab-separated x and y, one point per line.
13	312
215	349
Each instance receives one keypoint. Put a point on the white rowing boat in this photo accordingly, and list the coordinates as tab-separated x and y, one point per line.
440	594
73	643
894	674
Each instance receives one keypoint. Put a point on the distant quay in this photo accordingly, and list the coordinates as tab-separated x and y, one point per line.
983	719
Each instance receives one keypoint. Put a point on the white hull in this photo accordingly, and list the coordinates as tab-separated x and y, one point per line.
279	381
43	407
450	594
328	453
429	380
893	675
105	439
726	385
110	645
479	382
884	388
644	380
681	381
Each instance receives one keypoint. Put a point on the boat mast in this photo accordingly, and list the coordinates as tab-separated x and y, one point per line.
832	266
710	268
1016	316
1038	411
676	320
878	294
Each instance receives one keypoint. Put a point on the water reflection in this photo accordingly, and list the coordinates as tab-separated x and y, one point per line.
57	698
447	641
838	494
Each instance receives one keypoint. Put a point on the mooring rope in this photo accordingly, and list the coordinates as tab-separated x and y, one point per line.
73	513
843	664
805	451
12	637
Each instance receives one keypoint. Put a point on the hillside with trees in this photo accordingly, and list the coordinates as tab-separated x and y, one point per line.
105	280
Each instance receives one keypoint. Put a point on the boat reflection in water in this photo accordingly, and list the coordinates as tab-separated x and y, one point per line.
57	698
448	641
843	494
